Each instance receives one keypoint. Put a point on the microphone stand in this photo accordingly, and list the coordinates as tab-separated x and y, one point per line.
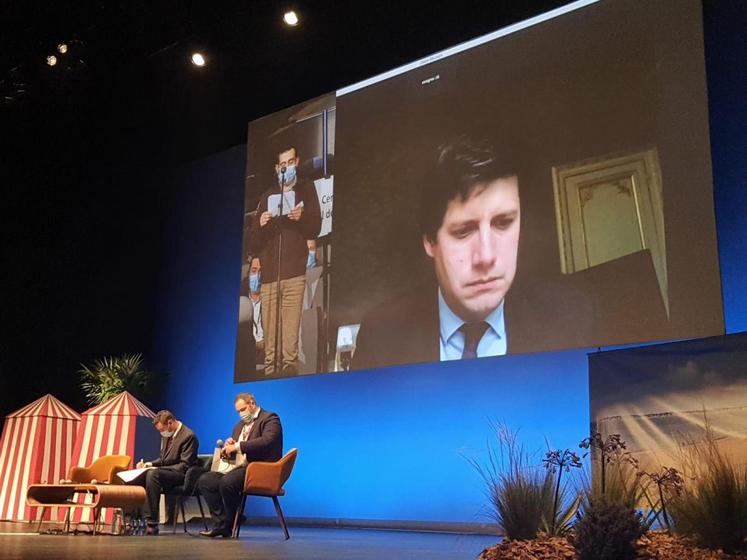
278	330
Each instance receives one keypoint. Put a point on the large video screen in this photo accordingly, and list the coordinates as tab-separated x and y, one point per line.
541	188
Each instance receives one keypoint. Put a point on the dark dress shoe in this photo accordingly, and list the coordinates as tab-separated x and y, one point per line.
216	532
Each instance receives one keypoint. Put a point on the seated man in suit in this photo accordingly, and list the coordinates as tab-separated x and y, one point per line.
470	216
178	452
258	436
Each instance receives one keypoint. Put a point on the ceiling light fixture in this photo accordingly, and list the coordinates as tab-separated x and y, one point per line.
290	18
51	60
198	59
62	48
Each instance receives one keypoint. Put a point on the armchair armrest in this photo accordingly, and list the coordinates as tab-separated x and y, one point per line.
80	474
113	478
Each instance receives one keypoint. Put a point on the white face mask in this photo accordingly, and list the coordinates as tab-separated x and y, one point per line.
167	434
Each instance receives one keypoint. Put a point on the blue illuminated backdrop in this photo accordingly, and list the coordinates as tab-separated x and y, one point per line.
390	444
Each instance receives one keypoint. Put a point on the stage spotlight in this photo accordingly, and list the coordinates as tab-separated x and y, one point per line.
198	59
62	48
290	18
51	60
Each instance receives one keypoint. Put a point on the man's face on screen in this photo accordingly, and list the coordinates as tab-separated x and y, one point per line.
475	249
254	267
286	159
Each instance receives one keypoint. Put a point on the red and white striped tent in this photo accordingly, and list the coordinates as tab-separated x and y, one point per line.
35	447
120	426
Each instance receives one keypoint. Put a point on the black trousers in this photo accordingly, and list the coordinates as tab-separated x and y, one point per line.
156	482
222	492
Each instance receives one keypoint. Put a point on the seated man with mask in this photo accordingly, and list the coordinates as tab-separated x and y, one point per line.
255	283
258	436
178	452
250	344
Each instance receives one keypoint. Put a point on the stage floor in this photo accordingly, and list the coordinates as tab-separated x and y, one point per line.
19	541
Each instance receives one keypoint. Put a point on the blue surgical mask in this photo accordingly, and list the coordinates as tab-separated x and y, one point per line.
254	283
290	175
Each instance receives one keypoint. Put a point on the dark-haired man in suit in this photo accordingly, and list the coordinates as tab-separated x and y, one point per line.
470	217
258	436
178	452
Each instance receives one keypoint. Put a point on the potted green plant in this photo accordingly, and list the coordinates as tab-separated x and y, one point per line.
111	375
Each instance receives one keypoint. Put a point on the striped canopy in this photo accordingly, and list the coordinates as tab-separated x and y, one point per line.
109	428
35	447
120	426
123	404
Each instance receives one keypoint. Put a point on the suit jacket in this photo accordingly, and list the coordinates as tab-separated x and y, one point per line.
265	442
181	454
406	330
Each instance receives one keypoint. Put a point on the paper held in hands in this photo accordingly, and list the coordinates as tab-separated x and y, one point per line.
289	202
132	474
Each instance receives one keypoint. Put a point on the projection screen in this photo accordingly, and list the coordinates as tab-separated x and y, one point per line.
544	187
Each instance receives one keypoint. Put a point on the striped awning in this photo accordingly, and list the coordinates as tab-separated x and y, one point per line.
35	447
48	406
123	404
110	428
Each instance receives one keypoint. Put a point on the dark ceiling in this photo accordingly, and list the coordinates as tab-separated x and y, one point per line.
126	85
87	144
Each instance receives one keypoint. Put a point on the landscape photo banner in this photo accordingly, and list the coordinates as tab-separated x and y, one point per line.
662	397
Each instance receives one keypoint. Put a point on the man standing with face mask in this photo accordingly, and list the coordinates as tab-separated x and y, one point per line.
279	237
178	452
258	436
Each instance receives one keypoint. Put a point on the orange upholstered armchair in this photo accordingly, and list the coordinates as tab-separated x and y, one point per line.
267	479
103	469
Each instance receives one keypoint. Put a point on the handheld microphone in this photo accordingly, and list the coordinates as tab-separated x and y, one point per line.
282	170
219	445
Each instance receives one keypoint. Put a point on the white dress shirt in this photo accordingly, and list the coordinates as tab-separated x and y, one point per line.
492	343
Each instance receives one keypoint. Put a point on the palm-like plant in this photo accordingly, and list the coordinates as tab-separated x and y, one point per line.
111	375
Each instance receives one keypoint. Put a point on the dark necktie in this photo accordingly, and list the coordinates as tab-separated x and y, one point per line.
167	446
472	334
